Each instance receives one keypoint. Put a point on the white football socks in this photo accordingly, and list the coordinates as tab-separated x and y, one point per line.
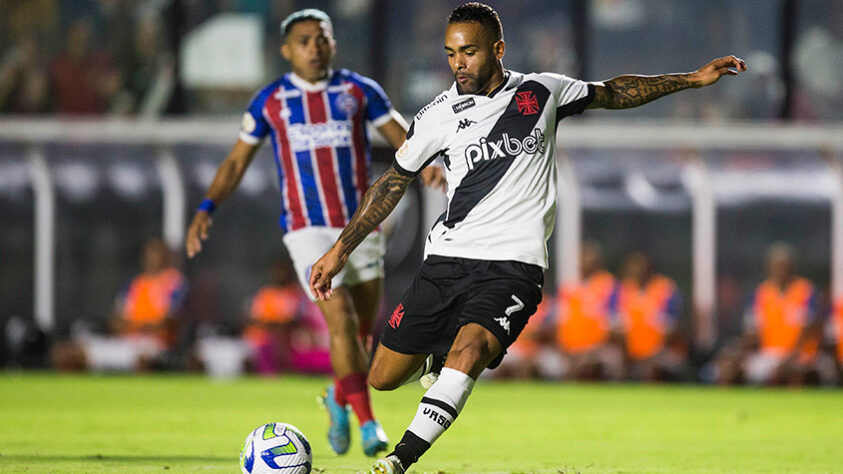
439	407
441	404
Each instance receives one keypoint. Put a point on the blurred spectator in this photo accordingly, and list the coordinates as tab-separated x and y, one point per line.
114	23
584	321
761	96
818	58
642	35
648	312
422	75
150	79
145	320
549	36
286	331
24	87
153	298
782	329
83	79
21	18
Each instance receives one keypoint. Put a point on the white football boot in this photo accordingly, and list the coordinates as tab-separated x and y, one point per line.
388	465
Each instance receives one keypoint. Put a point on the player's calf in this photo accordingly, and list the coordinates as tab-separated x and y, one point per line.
473	349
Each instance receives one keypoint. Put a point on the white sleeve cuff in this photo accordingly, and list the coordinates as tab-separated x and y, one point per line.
250	139
383	119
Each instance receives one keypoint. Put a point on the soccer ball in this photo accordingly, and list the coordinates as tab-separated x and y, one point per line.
276	448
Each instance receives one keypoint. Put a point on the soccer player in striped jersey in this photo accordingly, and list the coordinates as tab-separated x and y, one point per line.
482	276
316	119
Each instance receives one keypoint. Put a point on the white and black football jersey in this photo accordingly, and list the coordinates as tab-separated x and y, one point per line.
498	152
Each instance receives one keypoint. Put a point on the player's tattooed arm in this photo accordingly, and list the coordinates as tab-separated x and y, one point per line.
624	92
377	203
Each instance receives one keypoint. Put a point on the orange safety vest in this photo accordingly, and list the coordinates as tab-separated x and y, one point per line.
780	316
150	298
584	313
274	304
643	315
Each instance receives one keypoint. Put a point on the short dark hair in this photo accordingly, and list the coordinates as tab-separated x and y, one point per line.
477	12
303	15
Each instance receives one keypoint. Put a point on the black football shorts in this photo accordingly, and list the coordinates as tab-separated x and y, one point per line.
449	292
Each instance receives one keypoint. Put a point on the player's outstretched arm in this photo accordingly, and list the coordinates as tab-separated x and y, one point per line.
625	92
225	182
377	203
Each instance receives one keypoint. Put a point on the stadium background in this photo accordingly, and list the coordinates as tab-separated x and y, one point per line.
82	189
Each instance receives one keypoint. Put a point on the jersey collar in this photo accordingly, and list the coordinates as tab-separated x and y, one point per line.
307	86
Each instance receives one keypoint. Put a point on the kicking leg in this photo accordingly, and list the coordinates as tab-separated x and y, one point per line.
472	351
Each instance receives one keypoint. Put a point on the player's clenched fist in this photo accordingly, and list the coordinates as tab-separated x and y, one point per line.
197	232
323	271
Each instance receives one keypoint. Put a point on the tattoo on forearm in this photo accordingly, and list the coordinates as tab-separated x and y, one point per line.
377	203
624	92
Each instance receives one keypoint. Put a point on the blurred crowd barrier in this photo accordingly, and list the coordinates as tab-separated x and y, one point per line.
152	58
79	200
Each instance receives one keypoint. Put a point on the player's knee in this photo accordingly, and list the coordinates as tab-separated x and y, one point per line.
381	381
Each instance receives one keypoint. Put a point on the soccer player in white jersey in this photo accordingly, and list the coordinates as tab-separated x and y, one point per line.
316	118
482	276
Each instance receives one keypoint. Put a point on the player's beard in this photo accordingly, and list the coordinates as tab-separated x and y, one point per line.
483	76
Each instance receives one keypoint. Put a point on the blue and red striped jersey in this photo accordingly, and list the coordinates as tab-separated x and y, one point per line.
320	142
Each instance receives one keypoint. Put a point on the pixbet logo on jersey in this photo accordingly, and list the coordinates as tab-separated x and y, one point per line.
506	146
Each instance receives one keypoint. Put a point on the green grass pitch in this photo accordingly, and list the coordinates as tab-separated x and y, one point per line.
140	424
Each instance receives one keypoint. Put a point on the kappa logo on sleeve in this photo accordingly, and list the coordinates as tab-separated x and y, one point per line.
466	104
